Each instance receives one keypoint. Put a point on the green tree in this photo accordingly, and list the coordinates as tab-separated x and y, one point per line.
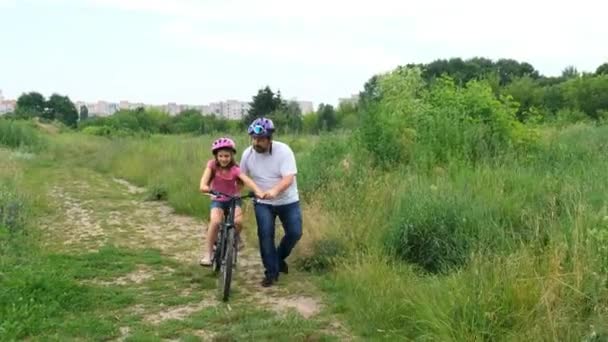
371	92
587	93
347	115
263	103
463	71
552	98
525	91
288	117
84	113
602	69
327	119
509	69
187	121
570	72
309	123
30	105
62	109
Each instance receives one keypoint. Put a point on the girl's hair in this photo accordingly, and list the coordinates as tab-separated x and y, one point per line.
232	161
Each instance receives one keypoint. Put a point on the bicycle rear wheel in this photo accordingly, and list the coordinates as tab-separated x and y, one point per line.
227	265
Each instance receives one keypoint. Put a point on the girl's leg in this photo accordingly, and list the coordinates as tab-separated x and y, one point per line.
238	222
215	219
238	219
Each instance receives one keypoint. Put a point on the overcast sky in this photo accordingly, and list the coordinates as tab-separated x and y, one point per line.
195	52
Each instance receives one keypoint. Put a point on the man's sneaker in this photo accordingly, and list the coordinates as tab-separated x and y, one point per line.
269	281
283	267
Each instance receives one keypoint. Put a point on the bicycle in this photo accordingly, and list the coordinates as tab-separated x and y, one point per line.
226	249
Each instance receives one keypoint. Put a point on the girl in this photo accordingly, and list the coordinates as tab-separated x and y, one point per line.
223	174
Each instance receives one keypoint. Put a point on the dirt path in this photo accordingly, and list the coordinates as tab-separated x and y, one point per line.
94	211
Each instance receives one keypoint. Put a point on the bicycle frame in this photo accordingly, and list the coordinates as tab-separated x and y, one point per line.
226	248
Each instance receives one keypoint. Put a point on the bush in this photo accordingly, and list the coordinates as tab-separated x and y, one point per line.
569	116
109	131
98	130
470	123
386	127
325	253
431	231
157	192
589	94
409	122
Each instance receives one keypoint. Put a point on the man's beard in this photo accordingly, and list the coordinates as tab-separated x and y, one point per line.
259	149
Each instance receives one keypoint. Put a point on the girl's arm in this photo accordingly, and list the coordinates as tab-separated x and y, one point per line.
251	185
205	179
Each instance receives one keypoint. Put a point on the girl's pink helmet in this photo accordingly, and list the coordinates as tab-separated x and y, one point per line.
223	143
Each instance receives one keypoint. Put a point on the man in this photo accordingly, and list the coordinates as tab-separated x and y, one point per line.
272	166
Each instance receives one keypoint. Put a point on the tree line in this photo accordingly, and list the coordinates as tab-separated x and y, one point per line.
570	97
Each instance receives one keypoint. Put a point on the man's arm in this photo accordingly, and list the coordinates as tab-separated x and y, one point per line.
281	186
288	173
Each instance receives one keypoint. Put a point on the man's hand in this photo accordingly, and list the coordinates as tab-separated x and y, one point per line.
271	194
260	194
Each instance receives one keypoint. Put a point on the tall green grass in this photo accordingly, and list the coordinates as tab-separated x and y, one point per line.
18	134
508	249
511	247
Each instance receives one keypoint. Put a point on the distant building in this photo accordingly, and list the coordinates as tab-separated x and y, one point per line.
185	107
229	109
102	108
235	110
173	108
215	108
305	106
7	106
113	108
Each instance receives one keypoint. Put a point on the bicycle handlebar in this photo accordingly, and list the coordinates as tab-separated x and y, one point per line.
251	194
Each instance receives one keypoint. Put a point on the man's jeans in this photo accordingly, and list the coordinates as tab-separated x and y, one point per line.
291	218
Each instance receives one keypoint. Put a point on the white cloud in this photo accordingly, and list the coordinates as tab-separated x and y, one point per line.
8	3
299	49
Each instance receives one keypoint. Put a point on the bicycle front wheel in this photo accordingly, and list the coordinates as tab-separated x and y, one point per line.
218	254
227	265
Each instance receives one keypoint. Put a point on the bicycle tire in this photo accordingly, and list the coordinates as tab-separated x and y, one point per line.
227	266
235	248
218	254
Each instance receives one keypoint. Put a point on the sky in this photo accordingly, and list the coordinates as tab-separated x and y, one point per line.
196	52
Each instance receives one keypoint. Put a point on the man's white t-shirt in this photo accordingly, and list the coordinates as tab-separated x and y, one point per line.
267	169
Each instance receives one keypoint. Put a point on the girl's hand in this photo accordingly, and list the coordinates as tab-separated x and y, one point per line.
205	188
